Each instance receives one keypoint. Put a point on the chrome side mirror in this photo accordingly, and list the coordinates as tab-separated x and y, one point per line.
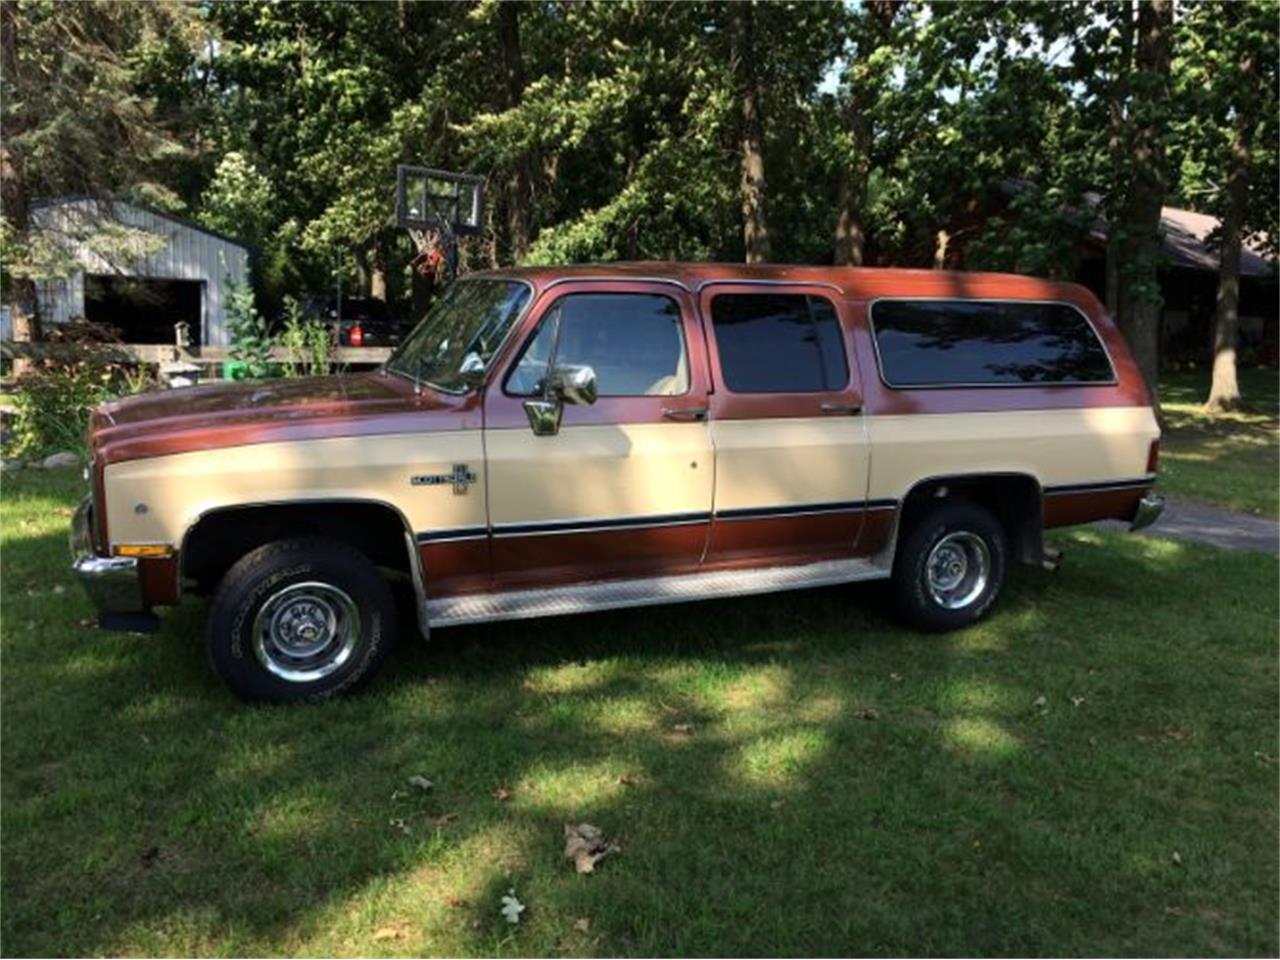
574	384
544	416
565	384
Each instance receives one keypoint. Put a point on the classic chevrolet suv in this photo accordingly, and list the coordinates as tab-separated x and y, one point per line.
567	439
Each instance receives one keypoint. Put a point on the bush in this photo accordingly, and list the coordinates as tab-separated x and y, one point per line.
251	342
52	401
308	342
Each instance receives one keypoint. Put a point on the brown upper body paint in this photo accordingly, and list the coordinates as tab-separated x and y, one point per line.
208	418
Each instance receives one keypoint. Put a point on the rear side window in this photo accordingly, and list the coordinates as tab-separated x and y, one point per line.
927	343
778	343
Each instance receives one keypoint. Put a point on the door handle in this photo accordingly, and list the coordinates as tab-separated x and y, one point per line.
846	408
685	414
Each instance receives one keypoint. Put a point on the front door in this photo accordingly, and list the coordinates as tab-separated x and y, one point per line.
792	452
624	487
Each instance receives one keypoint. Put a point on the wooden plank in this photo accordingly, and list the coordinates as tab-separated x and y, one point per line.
157	353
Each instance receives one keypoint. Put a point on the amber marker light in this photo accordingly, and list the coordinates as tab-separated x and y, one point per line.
144	550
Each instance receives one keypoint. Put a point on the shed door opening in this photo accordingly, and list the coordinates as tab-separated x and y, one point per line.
144	309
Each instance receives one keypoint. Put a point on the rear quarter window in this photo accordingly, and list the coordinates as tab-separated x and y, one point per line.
932	343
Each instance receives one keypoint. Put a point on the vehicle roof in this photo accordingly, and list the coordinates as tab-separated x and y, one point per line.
852	282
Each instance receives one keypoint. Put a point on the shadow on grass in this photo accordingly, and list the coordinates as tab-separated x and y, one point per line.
846	786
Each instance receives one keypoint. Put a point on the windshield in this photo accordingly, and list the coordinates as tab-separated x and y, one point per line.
460	333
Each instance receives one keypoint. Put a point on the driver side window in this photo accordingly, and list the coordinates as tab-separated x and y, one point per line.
633	341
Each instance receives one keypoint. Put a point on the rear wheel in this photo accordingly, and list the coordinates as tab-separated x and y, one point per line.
300	620
950	566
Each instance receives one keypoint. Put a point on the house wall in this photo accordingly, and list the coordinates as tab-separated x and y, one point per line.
184	253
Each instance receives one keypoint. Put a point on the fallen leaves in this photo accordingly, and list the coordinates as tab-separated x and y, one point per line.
582	924
501	793
398	823
422	783
683	729
586	845
867	713
389	932
511	907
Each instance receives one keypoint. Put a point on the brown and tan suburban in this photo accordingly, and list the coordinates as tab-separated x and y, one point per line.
567	439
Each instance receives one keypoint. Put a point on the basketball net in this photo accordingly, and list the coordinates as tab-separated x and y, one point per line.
430	258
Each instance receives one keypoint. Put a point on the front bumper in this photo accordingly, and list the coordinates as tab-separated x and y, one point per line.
1148	511
112	583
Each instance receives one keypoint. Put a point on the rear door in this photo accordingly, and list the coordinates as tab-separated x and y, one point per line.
791	445
624	487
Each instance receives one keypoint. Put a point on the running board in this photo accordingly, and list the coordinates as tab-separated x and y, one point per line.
615	594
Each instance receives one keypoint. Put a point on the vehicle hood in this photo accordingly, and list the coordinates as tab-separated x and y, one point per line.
259	411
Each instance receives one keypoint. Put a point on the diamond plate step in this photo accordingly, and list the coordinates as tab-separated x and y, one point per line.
615	594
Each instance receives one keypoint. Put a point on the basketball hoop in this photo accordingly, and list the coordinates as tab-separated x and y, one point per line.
436	207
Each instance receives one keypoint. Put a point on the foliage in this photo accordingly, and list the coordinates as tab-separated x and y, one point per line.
308	343
53	400
251	340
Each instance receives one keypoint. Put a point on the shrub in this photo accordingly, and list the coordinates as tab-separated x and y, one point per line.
53	400
251	342
308	343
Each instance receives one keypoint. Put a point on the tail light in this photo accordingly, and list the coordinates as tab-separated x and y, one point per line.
1153	456
356	336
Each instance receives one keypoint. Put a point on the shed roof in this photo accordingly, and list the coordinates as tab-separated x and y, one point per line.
74	198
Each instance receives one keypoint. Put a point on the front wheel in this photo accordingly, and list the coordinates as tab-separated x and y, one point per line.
300	619
949	567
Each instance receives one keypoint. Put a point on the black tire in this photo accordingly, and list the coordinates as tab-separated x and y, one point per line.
968	530
326	587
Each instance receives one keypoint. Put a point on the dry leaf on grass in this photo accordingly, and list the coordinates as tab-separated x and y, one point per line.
444	818
501	793
586	846
867	713
422	783
1040	701
456	902
399	824
684	729
389	933
895	677
511	907
1076	701
1177	859
628	779
582	924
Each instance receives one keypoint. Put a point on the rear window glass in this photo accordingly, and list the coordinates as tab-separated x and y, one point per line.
985	343
778	343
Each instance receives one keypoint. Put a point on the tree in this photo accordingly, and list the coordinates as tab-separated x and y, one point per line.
1226	77
868	76
73	122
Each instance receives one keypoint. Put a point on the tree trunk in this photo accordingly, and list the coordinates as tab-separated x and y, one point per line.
1224	392
519	189
755	223
1138	293
24	317
378	270
851	234
1118	154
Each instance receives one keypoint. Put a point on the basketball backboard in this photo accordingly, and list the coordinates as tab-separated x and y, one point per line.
429	199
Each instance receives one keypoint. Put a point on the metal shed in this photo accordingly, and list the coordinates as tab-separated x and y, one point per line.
139	269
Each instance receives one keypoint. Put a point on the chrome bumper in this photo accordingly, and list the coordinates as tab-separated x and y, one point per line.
1149	509
111	582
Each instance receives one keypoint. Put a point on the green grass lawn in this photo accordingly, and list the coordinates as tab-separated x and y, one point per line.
1092	771
1231	459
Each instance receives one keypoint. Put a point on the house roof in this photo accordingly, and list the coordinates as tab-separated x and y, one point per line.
1185	233
51	202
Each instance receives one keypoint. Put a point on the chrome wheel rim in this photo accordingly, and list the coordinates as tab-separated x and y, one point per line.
957	570
306	631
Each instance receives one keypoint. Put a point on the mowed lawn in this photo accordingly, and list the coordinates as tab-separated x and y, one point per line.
1230	459
1092	771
